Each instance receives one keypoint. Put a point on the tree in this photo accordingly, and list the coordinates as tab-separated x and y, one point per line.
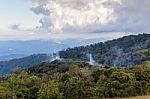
49	91
14	86
118	84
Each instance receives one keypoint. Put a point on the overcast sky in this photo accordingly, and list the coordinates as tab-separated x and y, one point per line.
65	19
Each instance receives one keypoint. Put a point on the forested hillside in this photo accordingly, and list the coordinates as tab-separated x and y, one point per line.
7	66
75	80
129	50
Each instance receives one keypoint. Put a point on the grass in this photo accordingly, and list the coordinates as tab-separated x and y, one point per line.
139	97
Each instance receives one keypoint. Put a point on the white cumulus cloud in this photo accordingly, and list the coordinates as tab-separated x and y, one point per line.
93	15
76	15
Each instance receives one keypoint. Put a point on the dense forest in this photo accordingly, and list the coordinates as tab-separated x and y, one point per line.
128	50
75	80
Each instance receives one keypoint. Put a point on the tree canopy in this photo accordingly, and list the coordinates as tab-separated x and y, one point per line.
76	80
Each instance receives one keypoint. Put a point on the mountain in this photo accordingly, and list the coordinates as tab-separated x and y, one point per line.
11	56
18	53
7	66
18	49
128	50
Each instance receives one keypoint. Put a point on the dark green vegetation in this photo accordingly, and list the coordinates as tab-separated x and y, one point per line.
7	66
129	50
75	80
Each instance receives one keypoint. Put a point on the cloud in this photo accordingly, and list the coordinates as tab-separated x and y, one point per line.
39	7
46	25
75	15
132	16
17	27
93	15
14	27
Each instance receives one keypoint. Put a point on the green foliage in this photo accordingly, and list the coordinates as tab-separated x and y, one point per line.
129	50
48	68
19	86
76	84
55	66
6	67
52	81
49	91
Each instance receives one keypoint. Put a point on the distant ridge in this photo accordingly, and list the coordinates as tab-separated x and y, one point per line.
7	66
128	50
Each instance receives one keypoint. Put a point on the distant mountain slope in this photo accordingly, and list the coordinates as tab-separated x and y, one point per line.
17	49
11	56
128	50
7	66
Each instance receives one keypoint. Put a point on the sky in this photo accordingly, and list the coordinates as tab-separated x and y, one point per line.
66	19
